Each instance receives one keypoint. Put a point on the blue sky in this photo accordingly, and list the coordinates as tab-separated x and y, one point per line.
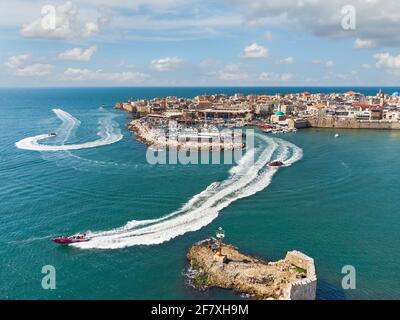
199	43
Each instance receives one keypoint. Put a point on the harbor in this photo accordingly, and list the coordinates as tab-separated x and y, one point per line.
273	114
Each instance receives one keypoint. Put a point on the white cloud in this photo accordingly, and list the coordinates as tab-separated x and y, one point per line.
388	62
268	36
159	6
186	23
351	77
288	60
255	51
90	29
329	64
232	72
16	61
78	54
21	68
81	75
272	76
377	20
34	70
68	25
285	77
209	64
363	44
316	61
166	64
366	66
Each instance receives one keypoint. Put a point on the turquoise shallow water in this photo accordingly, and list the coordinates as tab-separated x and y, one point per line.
338	204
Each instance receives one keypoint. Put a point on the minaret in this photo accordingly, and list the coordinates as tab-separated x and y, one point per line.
382	96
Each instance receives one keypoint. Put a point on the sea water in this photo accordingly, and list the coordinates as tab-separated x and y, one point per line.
337	202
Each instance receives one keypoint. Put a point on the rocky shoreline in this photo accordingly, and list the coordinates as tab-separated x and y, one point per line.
292	278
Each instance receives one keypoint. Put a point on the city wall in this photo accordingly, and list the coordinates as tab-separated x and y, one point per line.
304	289
353	124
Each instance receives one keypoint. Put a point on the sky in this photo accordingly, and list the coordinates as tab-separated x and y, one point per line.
199	43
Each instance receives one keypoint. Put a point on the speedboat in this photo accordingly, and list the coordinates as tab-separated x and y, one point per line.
52	134
275	164
71	239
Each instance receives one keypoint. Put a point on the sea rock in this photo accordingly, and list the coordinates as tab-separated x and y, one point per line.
292	278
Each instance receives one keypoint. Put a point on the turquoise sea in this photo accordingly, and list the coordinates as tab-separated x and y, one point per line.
339	203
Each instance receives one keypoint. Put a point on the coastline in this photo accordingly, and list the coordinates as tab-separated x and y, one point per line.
279	113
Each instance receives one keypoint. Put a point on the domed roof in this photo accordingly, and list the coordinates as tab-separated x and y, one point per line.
279	113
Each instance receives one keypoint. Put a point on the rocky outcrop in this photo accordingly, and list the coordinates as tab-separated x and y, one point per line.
126	106
291	278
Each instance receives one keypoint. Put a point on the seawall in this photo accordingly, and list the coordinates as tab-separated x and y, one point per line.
339	123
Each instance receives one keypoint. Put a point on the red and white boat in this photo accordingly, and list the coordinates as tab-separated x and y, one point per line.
266	126
71	239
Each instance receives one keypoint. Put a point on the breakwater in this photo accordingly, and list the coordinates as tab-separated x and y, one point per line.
158	138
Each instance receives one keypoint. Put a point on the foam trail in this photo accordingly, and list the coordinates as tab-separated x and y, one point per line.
108	135
245	179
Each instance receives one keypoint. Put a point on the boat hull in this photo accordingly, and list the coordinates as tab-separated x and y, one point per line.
62	240
276	164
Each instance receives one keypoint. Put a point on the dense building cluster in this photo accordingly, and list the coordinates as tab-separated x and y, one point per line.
294	109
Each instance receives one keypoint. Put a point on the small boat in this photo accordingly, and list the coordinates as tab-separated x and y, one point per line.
265	126
337	135
52	134
71	239
275	164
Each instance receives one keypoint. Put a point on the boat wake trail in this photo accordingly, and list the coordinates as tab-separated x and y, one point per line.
108	133
251	175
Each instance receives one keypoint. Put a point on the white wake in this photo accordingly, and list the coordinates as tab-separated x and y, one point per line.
108	135
251	175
